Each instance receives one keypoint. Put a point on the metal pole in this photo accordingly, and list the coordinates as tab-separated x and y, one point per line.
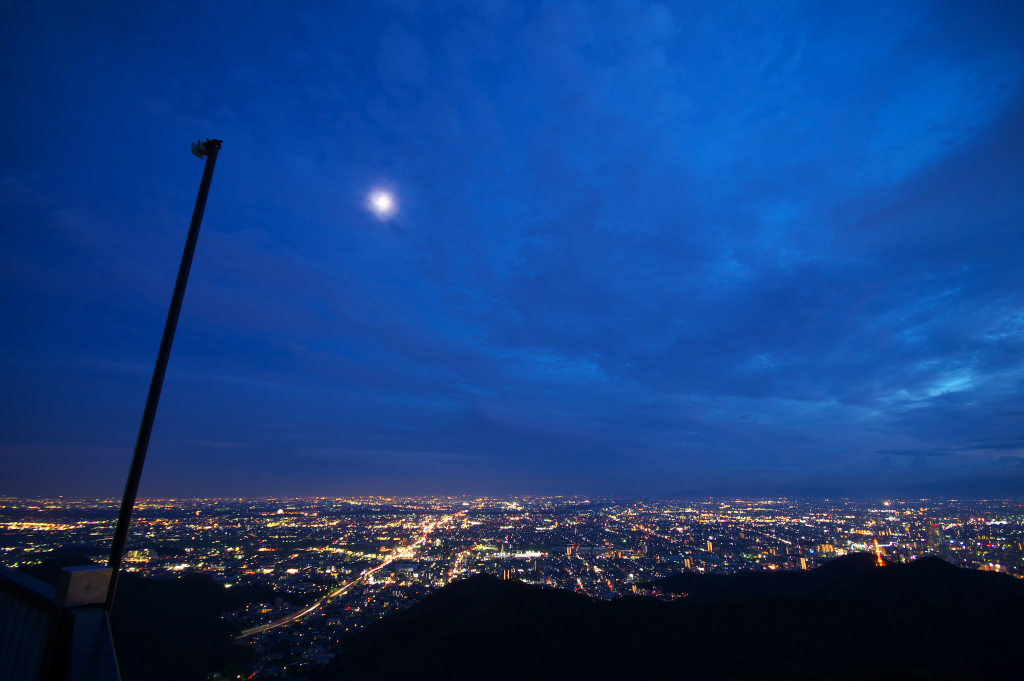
209	149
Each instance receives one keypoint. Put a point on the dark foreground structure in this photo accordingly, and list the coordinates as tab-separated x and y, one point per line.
848	620
55	630
164	629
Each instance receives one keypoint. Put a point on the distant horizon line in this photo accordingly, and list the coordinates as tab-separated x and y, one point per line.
503	497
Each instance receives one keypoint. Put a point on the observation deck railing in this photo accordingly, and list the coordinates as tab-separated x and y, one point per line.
57	633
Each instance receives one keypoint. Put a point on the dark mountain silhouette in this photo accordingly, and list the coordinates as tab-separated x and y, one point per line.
169	629
848	620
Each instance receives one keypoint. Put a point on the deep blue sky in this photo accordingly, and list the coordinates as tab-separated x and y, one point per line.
750	247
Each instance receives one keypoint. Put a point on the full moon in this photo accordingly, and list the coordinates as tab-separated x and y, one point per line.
382	203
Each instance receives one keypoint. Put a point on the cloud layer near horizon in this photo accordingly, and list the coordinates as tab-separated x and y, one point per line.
641	248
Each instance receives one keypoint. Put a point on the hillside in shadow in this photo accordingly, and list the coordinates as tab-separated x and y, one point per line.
848	620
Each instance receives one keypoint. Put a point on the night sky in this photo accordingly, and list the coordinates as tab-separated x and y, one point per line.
698	248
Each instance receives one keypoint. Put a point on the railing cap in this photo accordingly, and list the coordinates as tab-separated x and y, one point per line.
82	585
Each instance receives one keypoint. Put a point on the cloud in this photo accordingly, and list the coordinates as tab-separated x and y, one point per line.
916	452
639	243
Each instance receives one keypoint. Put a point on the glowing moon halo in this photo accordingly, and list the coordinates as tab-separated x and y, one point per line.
382	203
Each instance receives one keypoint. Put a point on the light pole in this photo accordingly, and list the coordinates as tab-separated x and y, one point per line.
208	150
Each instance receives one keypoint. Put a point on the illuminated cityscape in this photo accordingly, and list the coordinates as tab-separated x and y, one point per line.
338	564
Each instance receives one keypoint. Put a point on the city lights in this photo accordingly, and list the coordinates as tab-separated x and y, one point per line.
338	564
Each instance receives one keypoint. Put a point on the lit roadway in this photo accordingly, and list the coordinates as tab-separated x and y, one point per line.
407	552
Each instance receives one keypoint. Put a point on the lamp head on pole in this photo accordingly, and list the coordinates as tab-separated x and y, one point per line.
202	149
